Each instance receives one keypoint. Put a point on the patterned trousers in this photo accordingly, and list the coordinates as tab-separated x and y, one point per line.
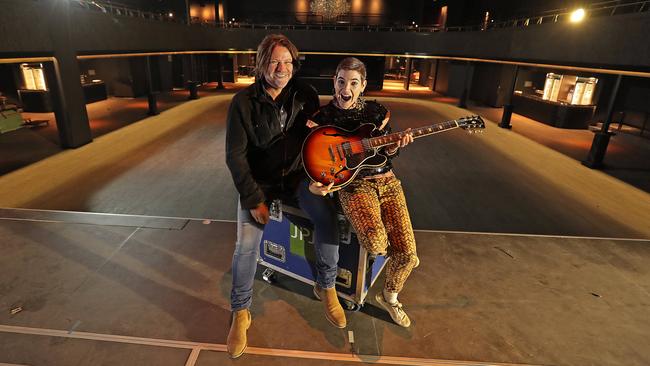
377	211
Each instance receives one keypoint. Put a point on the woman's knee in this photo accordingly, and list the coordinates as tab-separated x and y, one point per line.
411	260
405	260
374	240
414	260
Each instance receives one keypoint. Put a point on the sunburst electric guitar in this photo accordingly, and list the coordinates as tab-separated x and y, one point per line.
332	154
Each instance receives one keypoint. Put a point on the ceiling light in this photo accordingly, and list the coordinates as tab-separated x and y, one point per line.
577	15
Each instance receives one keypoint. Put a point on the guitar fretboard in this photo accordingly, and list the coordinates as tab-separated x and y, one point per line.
417	132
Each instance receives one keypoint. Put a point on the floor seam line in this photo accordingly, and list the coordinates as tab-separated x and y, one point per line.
343	357
96	271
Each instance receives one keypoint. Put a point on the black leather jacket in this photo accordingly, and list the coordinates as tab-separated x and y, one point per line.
264	158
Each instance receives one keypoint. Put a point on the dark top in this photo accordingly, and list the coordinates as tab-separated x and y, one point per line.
349	119
262	153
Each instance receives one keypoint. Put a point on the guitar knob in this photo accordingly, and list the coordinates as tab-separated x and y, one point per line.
332	170
323	175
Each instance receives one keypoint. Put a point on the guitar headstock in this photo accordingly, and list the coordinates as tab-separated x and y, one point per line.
471	123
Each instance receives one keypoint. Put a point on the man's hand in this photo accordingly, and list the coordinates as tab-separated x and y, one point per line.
260	213
319	189
407	138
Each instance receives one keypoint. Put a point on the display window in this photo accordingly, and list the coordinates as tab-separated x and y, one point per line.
570	89
33	77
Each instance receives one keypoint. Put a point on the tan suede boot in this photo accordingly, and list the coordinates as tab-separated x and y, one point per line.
237	342
333	309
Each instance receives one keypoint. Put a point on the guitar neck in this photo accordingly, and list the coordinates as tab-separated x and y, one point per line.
392	138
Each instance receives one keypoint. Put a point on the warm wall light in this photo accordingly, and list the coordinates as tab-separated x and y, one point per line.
208	13
376	7
302	6
357	7
577	15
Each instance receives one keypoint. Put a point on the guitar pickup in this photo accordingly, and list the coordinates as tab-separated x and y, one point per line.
347	149
329	149
339	150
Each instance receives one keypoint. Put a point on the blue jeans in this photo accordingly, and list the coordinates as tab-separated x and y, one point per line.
320	210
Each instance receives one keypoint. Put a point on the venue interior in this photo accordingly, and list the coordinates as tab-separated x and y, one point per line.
118	212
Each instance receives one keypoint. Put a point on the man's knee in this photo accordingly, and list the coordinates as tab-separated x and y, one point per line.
248	240
245	248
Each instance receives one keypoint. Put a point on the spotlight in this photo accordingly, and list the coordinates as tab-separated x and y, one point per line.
577	15
171	15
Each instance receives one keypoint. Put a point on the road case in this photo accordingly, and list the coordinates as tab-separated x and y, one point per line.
287	247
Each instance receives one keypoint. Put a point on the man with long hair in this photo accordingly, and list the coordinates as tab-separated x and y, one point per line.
265	131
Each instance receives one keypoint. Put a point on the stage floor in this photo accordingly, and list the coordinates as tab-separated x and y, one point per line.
528	257
90	289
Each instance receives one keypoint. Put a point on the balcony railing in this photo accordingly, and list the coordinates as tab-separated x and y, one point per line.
600	9
365	22
118	9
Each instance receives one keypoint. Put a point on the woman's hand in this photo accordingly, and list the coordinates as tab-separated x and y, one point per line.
319	189
407	138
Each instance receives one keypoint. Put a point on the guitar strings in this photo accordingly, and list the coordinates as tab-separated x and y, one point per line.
415	131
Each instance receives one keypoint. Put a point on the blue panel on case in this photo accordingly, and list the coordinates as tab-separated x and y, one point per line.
276	245
287	243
